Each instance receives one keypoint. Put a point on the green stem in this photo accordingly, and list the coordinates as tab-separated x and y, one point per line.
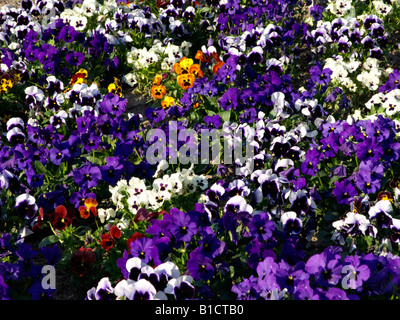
356	161
97	225
138	154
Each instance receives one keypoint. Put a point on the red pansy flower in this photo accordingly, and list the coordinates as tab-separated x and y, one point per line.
61	217
108	239
82	261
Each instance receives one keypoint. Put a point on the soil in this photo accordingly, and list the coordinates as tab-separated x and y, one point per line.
15	3
394	56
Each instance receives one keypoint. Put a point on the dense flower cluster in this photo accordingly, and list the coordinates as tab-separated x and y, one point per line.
18	267
300	199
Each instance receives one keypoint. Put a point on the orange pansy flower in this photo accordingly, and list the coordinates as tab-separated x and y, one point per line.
158	92
215	56
177	68
157	80
90	207
202	57
186	81
183	66
196	71
217	66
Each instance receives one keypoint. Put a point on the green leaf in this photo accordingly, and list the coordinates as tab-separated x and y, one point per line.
331	216
40	168
225	115
231	271
200	168
49	240
94	160
369	241
333	180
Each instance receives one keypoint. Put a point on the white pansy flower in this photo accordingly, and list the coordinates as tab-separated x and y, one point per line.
382	8
130	79
105	214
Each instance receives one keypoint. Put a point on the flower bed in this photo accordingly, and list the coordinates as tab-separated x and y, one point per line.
264	165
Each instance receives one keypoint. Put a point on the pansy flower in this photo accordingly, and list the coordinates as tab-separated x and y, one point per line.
237	204
156	115
15	122
380	212
395	228
183	66
61	217
261	226
157	80
16	136
113	104
112	171
90	141
145	249
182	226
354	224
320	75
158	91
39	220
344	191
9	181
46	53
167	102
269	186
25	206
54	85
108	239
135	236
200	267
291	223
200	55
78	78
89	208
367	183
186	80
78	198
160	228
68	34
115	87
57	156
326	267
82	261
229	100
74	58
360	272
141	290
196	71
309	166
87	176
210	245
103	291
182	288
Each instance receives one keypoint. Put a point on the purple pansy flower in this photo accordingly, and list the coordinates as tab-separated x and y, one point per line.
344	191
200	267
358	272
320	75
74	58
88	176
